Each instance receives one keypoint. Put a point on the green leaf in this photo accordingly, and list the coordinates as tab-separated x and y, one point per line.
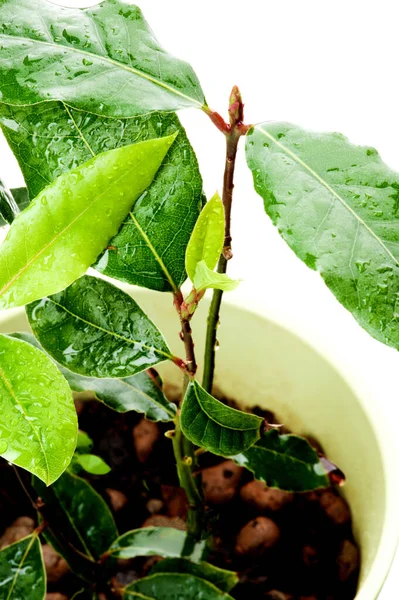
204	279
103	59
173	586
83	516
336	205
38	420
84	443
156	541
140	392
92	464
206	241
96	329
49	139
222	579
287	462
70	222
8	206
22	573
212	425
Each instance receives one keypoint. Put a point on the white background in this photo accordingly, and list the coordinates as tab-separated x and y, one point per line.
322	65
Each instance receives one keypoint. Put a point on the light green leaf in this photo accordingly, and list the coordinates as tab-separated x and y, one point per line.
92	464
222	579
287	462
84	443
173	586
204	279
336	205
156	541
38	420
95	329
140	392
104	59
50	139
22	573
206	241
70	222
83	517
212	425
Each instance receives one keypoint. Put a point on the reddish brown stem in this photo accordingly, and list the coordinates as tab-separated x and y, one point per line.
186	335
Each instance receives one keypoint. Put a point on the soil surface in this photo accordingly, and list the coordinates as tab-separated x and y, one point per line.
283	546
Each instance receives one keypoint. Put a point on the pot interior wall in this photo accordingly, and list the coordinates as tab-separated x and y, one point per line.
261	363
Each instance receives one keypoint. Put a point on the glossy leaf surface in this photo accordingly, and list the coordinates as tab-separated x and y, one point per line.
205	278
71	221
50	139
82	516
95	329
174	586
38	420
287	462
156	541
22	573
92	464
104	59
221	578
212	425
336	205
139	392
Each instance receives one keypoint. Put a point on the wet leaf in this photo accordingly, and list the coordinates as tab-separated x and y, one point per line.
139	392
156	541
22	573
287	462
92	464
97	330
83	516
212	425
173	586
204	279
336	205
38	420
104	59
222	579
70	222
49	139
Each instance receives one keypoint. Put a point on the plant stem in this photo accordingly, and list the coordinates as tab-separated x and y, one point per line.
186	335
233	134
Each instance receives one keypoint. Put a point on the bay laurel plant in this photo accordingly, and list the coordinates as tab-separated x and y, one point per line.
88	103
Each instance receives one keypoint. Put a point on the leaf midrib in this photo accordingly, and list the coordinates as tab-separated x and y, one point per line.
111	61
331	190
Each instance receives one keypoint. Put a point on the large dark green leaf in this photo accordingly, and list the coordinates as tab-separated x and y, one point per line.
97	330
336	205
38	423
70	222
173	586
156	541
104	59
22	573
210	424
50	139
140	392
83	517
287	462
222	579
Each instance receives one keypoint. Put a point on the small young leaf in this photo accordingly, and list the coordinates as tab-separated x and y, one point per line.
222	579
156	541
82	516
8	207
139	392
206	242
92	464
105	59
173	586
287	462
205	278
212	425
71	221
38	420
22	573
95	329
84	443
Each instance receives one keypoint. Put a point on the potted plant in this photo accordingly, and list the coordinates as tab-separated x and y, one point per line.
87	106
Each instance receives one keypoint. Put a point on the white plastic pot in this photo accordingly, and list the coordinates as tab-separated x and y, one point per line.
260	362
